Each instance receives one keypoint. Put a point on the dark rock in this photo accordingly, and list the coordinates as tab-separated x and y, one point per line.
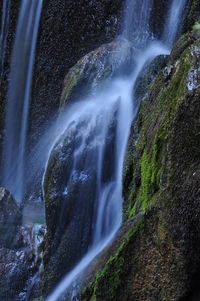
68	31
70	197
4	77
70	180
193	14
147	76
14	273
20	255
19	266
10	217
99	65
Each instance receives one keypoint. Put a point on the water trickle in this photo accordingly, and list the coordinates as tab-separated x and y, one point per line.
17	109
4	34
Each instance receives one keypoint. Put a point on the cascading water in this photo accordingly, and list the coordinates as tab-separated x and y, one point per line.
19	96
111	114
173	20
136	20
4	33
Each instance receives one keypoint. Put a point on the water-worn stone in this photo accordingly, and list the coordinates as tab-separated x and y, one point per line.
94	68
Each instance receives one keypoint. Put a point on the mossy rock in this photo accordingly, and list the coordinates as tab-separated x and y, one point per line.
90	71
160	261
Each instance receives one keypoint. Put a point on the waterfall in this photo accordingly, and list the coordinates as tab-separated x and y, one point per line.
173	21
136	20
115	105
4	33
17	108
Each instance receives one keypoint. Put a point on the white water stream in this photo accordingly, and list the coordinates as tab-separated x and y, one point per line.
121	93
17	108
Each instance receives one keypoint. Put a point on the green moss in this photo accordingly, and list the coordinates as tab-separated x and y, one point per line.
194	14
151	171
155	120
132	211
113	271
70	82
146	187
150	167
196	29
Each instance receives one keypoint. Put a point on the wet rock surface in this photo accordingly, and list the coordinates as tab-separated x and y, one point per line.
71	196
19	255
98	66
68	31
10	217
159	258
71	177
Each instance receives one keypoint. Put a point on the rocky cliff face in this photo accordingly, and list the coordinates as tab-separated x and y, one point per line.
12	21
159	256
69	30
151	262
10	217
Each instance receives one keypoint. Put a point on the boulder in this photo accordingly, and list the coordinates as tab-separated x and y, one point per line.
10	217
70	183
99	65
70	188
19	267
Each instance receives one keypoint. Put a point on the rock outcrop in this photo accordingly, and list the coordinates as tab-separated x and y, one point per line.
20	257
69	30
94	68
5	64
10	217
70	184
159	257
